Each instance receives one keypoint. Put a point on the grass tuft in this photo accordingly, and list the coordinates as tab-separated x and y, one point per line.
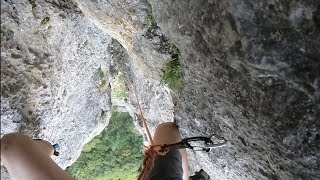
149	19
103	82
173	72
172	75
45	21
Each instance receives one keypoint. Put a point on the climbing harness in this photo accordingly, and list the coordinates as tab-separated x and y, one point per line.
198	143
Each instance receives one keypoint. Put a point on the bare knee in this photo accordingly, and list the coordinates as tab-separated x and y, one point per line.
167	133
170	125
10	142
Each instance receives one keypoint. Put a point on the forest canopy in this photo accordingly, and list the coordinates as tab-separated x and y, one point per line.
114	154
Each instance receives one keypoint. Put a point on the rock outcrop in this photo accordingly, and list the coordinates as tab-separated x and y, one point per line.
251	75
50	53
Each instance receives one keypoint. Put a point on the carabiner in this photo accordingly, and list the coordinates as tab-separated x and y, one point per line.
213	138
208	143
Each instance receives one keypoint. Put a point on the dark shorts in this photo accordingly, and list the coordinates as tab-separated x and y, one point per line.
168	167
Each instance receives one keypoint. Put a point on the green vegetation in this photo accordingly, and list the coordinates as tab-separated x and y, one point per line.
102	79
118	85
100	73
149	19
175	51
121	21
172	74
114	154
45	21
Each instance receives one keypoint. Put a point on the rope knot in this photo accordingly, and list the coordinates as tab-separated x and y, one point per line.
148	160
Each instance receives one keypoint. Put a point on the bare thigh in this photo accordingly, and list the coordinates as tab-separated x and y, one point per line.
25	158
168	133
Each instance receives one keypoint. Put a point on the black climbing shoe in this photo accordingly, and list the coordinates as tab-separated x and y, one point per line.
201	175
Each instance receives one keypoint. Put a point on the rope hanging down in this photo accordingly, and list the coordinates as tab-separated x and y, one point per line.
142	116
163	149
149	153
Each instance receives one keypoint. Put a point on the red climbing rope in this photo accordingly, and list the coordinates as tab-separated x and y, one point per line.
162	149
150	150
142	116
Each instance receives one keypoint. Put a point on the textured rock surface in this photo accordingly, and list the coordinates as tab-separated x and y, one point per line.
128	22
49	86
146	51
49	83
153	96
251	74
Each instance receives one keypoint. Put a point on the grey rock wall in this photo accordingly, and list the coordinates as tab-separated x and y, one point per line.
49	82
146	51
252	72
153	96
50	86
251	75
128	22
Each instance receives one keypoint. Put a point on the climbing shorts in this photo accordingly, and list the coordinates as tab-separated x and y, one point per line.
168	167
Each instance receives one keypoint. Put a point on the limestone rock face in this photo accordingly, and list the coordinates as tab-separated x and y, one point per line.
50	53
51	58
146	50
252	72
128	21
251	75
153	96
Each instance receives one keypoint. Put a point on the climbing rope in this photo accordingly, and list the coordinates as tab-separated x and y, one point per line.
149	150
142	116
163	149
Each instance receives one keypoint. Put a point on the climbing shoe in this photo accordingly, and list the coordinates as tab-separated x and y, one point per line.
201	175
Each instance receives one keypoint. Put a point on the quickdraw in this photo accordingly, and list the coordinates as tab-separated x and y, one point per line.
198	143
163	149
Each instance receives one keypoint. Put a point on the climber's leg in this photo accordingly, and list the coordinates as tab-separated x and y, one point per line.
174	162
26	158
